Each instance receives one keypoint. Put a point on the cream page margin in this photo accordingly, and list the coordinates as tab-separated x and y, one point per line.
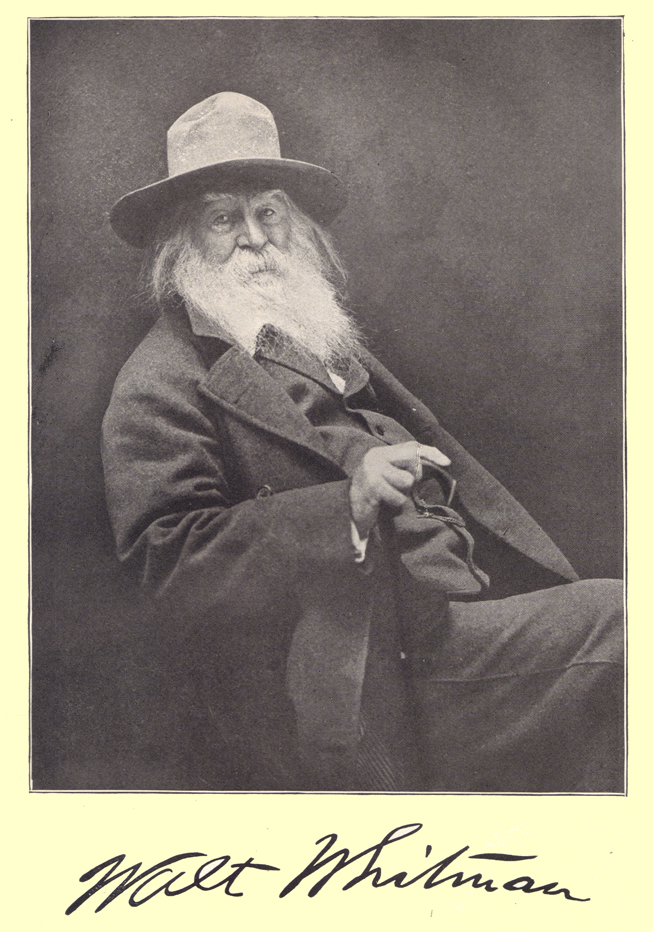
595	846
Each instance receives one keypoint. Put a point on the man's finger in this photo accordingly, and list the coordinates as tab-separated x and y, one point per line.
391	496
405	454
401	479
433	455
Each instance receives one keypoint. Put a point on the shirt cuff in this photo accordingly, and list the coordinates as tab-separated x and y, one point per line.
360	544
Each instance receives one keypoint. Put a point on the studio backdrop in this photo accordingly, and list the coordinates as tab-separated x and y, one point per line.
483	239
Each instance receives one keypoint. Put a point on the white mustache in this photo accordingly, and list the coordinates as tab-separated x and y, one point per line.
248	262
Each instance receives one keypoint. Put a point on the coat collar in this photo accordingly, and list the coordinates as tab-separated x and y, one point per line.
237	382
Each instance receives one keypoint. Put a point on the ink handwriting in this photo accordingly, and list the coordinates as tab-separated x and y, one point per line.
202	874
319	871
431	875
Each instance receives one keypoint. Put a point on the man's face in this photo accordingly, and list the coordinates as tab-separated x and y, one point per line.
227	222
250	263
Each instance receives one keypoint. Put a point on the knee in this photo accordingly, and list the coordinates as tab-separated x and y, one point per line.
605	595
601	601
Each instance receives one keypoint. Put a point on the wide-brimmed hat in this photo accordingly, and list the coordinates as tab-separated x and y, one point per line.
226	142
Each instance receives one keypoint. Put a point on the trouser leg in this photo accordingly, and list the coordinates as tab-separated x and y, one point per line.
525	694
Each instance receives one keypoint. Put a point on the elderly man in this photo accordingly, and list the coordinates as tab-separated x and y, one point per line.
337	596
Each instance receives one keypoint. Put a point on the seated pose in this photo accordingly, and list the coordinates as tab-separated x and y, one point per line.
337	596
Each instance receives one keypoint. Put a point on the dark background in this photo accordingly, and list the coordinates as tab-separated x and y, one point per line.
483	237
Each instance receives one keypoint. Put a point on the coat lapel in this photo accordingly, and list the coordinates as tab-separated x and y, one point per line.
355	379
299	362
239	384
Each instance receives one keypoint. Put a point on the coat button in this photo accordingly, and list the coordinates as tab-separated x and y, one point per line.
264	492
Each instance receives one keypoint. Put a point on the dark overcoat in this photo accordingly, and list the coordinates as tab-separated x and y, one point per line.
227	504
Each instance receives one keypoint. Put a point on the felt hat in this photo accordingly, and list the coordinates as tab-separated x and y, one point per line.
226	142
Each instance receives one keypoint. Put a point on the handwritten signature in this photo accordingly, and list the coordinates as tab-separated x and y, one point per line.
327	863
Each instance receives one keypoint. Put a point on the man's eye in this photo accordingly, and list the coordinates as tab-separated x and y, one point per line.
220	219
267	213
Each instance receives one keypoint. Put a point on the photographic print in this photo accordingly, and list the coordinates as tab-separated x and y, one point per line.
259	561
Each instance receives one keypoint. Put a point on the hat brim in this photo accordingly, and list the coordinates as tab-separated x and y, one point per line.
317	191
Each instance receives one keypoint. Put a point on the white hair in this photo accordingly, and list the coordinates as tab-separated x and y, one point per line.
299	301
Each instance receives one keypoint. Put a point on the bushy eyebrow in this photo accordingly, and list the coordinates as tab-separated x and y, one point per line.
268	195
210	197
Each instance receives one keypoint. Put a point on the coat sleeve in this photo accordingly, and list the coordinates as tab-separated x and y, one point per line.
177	521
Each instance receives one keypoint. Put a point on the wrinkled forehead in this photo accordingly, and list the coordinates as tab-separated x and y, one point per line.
239	198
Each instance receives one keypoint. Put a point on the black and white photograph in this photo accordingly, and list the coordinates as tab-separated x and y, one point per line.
327	422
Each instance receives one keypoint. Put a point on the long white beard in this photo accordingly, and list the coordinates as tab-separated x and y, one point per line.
286	291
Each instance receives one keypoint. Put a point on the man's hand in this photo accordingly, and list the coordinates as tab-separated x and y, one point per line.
386	475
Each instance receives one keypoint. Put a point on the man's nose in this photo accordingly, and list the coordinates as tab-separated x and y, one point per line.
252	234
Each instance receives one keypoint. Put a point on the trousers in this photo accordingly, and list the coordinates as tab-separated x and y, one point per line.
525	694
